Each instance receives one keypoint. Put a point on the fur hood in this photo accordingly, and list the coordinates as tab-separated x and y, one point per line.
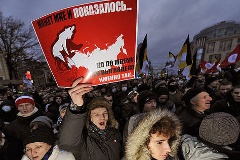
136	148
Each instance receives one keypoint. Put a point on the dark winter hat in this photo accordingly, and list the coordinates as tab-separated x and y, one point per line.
162	91
63	106
209	80
41	134
219	128
171	80
7	103
190	94
144	97
160	83
44	119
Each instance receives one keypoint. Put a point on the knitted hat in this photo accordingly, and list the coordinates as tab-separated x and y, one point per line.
41	134
144	97
219	128
43	119
209	80
190	94
24	99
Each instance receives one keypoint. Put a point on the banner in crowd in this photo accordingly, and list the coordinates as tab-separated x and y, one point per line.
96	41
232	58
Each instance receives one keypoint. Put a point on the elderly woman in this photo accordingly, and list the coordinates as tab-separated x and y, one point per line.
89	131
156	137
40	144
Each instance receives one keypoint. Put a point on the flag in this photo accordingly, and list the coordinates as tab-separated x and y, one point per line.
171	57
192	69
184	57
233	57
142	65
186	72
214	67
195	69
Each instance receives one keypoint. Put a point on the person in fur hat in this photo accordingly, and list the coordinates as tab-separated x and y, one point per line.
156	137
89	131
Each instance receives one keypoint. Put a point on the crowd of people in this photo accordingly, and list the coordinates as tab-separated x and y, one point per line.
140	119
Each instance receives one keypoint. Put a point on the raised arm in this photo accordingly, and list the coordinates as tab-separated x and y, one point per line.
70	133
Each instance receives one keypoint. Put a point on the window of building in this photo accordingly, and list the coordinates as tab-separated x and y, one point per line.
228	45
238	41
225	45
1	78
210	47
221	46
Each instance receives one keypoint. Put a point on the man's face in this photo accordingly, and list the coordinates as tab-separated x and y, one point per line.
201	78
64	94
109	99
214	84
59	100
162	98
159	146
201	101
96	93
99	117
224	88
25	108
236	94
150	105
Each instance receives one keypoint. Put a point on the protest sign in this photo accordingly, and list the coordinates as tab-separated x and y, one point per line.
96	41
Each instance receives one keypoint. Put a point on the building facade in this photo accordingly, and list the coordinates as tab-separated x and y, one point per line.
218	40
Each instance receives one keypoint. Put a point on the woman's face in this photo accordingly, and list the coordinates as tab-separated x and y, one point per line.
99	117
37	150
159	146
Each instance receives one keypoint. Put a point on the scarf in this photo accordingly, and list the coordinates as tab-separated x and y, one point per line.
101	133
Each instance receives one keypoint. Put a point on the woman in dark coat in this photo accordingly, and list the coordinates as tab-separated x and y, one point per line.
89	132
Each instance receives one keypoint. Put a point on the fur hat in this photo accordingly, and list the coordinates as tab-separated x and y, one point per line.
24	99
219	128
41	134
43	119
144	97
190	94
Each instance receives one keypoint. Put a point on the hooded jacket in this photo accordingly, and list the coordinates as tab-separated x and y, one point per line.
136	148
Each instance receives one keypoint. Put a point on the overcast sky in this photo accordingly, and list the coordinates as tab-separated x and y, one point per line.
167	22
